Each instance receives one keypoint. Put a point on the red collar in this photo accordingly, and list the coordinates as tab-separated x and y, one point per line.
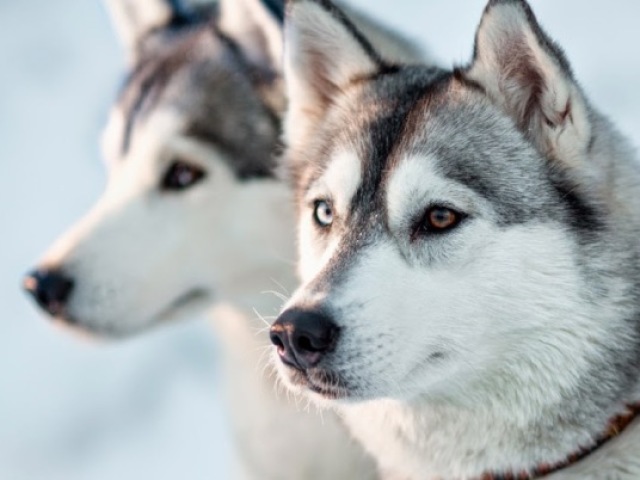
616	426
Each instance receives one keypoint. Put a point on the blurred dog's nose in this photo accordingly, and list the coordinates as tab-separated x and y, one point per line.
303	337
50	288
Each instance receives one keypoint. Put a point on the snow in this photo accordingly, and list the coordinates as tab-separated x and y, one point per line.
151	407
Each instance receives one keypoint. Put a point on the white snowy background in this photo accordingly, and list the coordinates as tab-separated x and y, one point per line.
150	408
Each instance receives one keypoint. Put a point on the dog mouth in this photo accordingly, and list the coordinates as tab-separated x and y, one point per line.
324	383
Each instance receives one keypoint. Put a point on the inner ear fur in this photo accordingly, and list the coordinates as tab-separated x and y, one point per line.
528	76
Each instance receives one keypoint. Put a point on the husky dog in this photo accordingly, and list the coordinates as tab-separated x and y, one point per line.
193	214
470	255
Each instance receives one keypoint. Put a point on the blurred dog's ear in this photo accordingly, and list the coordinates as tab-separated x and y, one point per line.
133	19
256	27
528	76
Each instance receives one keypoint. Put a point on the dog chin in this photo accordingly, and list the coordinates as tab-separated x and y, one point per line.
70	326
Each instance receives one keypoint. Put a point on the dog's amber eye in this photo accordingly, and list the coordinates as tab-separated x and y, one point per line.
181	175
442	218
439	219
323	213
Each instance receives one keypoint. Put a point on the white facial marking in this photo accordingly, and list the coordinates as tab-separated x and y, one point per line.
338	184
415	185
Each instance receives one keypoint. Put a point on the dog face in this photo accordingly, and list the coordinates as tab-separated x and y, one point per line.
188	146
452	224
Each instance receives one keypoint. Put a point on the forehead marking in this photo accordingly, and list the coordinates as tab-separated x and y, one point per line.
407	186
389	133
416	182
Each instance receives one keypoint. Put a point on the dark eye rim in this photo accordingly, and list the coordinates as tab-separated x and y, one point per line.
316	204
198	173
421	226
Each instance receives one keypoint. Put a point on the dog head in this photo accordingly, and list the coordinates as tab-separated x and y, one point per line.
188	145
455	227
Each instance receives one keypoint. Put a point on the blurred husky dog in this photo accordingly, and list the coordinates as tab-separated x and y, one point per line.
470	252
193	214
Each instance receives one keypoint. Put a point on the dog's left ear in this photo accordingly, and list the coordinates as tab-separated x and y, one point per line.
527	75
256	26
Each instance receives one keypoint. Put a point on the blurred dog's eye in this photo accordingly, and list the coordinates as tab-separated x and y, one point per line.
439	219
181	176
323	213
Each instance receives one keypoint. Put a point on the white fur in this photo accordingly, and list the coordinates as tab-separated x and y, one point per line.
342	176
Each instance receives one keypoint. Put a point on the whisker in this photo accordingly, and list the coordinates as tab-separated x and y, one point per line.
277	294
278	284
261	318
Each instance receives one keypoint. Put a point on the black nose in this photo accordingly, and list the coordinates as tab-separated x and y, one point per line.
303	337
50	288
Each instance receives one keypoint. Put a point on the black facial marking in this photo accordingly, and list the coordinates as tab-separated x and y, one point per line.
386	132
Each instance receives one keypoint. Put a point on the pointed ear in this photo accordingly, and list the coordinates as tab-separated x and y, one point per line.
528	76
256	26
133	19
324	52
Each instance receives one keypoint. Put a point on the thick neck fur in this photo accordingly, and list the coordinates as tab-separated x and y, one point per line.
541	410
438	442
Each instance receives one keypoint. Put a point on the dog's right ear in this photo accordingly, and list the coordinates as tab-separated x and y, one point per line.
324	52
133	19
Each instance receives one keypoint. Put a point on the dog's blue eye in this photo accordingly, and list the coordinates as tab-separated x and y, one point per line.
323	213
181	175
